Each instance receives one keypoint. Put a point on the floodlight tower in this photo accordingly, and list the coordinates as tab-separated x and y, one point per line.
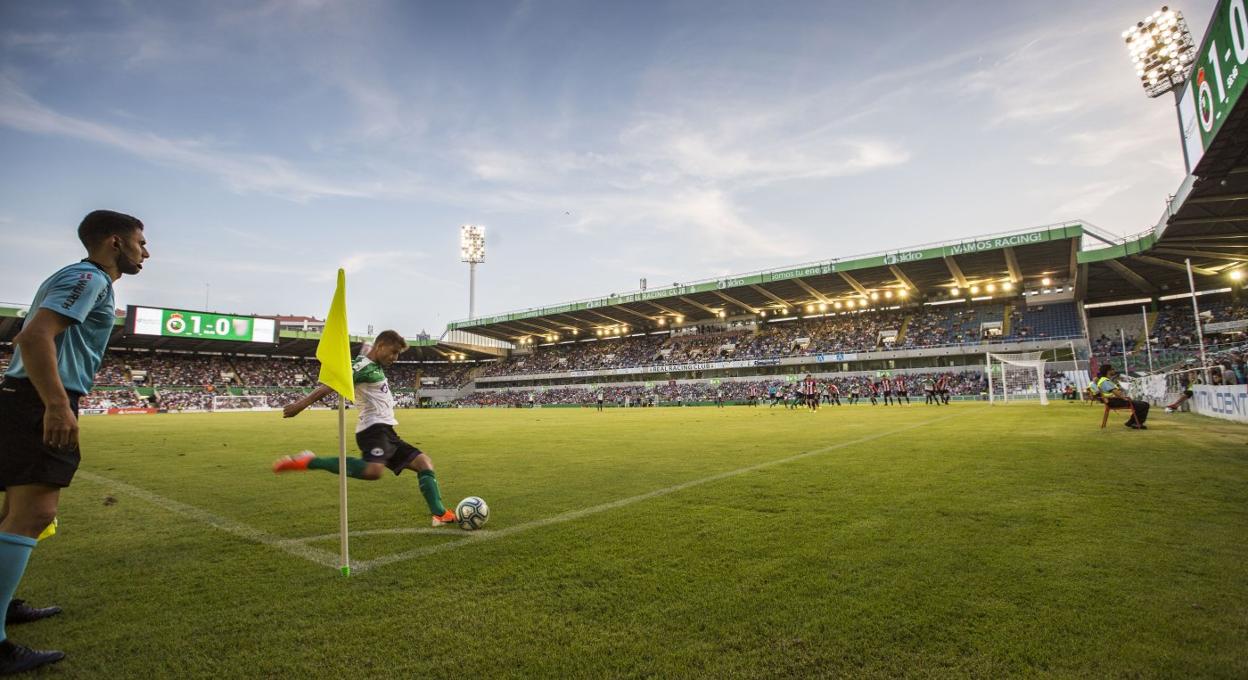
1163	52
472	251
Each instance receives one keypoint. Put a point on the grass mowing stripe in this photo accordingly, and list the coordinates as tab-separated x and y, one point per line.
483	535
292	547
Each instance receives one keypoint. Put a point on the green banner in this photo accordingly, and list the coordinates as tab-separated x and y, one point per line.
211	326
1217	81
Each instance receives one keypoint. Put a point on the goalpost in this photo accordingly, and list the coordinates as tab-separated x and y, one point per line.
250	402
1016	377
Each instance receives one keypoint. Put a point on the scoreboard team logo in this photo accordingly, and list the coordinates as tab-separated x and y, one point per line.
1205	101
175	324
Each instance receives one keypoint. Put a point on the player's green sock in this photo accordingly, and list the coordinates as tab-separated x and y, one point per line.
355	466
429	489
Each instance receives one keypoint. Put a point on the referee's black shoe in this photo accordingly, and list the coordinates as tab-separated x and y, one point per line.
18	659
20	612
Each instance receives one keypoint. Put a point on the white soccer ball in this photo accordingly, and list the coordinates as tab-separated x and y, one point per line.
472	513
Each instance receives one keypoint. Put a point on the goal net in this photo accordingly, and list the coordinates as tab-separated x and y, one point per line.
251	402
1016	377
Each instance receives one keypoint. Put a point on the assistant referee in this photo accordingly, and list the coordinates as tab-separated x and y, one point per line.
55	358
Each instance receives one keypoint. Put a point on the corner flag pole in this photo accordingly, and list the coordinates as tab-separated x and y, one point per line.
342	487
334	353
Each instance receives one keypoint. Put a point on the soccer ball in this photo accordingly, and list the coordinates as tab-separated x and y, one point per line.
472	513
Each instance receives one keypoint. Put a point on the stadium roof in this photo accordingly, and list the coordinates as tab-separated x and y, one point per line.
1023	259
290	343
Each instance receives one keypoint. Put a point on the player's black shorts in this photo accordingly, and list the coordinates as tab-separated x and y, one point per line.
903	393
24	458
381	444
1187	393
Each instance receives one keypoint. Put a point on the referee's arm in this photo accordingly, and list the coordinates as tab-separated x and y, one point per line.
37	340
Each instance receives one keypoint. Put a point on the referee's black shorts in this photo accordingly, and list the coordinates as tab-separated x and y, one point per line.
24	458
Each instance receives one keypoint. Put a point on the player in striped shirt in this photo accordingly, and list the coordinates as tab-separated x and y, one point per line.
810	388
901	390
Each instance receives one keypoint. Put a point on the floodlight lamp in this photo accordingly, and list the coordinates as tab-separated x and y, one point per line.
991	288
955	291
1046	281
903	293
974	290
1007	286
888	294
472	243
1237	274
680	318
837	305
1161	49
823	306
662	321
875	296
810	308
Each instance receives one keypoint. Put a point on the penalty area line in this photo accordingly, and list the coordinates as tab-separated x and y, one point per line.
297	548
482	536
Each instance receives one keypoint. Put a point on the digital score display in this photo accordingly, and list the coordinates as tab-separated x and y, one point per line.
181	323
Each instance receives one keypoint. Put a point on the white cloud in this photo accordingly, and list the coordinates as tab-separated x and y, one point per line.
243	173
1088	198
1095	149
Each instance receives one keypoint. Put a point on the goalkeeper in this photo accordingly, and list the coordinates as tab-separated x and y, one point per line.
379	444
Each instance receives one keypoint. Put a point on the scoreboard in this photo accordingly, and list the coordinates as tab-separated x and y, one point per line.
1218	77
181	323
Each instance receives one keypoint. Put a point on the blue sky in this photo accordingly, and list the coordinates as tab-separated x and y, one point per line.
265	144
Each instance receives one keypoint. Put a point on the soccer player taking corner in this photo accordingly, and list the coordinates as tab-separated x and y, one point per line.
380	446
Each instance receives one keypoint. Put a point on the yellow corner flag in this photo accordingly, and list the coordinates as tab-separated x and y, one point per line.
334	348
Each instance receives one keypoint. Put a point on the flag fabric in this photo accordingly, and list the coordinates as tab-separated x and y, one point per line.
334	348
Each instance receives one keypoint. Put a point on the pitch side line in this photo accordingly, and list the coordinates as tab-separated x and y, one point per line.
229	526
482	536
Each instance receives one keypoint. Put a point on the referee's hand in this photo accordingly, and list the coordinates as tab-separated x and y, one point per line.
60	427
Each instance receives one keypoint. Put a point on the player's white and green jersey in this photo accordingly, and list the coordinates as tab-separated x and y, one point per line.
373	398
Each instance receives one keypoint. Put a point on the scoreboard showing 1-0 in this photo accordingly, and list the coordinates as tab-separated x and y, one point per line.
1218	75
181	323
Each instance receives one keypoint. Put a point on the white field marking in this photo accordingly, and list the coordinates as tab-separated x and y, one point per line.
481	536
380	532
229	526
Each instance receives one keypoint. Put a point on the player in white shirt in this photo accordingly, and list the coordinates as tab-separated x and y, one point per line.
380	446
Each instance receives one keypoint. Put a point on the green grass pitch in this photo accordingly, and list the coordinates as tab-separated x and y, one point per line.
695	542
